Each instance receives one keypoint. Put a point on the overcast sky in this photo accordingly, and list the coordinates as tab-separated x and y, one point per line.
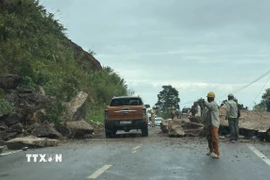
196	46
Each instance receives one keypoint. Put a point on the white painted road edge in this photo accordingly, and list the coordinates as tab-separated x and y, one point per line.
8	153
99	172
259	154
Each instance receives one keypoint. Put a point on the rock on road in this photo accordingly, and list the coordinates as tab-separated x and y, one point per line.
132	157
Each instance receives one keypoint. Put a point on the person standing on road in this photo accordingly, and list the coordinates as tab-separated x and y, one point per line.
198	109
173	113
193	109
153	115
212	124
238	109
268	104
232	114
238	116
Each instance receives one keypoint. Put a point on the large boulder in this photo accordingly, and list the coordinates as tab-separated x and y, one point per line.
31	142
164	126
37	116
191	125
29	96
18	127
175	128
10	81
7	135
12	97
2	143
182	127
176	131
78	129
31	127
13	119
41	91
196	119
3	126
45	130
193	129
250	122
76	109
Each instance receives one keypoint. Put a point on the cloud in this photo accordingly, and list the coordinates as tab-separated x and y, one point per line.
197	46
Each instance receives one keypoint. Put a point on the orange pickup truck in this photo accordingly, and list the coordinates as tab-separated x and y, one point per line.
126	113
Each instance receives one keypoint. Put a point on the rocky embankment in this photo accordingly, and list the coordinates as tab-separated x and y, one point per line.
25	125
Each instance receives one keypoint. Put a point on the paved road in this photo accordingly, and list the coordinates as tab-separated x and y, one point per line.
138	158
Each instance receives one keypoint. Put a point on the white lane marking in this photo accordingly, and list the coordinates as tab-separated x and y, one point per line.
99	172
8	153
259	154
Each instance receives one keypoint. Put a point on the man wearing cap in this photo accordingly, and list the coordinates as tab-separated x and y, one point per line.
232	114
212	122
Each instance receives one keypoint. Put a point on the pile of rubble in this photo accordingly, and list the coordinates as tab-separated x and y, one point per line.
25	127
251	124
183	127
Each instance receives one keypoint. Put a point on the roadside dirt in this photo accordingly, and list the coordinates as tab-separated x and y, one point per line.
155	136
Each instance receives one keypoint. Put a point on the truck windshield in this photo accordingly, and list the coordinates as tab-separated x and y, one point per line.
126	101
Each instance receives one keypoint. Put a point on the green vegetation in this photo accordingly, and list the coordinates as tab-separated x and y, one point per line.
167	98
5	107
34	45
262	105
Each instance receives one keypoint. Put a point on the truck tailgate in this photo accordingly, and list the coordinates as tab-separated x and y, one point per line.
125	113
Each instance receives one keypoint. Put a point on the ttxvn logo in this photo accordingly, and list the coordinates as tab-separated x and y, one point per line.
44	157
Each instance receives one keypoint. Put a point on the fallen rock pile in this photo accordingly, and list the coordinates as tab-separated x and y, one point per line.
251	123
181	128
76	129
25	125
31	142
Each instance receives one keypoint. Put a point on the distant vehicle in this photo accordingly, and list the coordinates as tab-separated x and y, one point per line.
158	121
126	113
185	112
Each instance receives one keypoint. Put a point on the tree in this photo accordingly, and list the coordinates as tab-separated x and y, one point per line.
167	98
130	92
93	53
262	104
200	102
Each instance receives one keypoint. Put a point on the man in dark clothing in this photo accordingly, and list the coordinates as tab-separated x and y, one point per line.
193	109
232	114
268	105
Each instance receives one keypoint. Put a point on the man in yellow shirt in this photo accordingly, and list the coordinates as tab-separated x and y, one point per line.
173	113
153	115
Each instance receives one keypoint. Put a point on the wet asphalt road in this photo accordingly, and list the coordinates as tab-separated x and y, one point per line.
141	158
